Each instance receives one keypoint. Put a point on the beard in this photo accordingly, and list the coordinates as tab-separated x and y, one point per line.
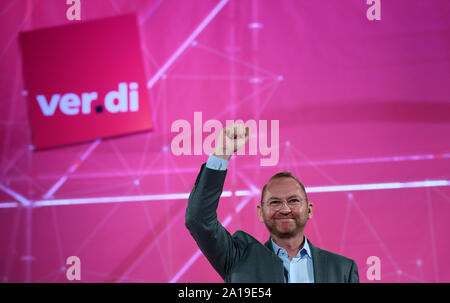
285	230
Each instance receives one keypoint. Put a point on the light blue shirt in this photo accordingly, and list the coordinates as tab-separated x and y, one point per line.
300	268
216	163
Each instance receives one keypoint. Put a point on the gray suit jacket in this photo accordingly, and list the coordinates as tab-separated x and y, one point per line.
240	257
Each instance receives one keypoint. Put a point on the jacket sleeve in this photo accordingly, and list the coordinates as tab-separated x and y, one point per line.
216	243
354	276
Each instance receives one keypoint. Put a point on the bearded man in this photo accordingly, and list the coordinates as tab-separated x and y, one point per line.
288	256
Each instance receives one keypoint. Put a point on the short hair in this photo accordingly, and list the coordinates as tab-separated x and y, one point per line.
283	174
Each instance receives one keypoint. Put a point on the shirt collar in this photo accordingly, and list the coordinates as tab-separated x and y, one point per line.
305	249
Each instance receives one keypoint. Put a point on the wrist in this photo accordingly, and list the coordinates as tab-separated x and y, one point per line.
225	157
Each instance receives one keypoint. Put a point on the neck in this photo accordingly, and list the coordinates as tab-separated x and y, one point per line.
292	245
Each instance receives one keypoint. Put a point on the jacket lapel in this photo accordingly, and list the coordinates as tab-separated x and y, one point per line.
319	264
269	245
279	276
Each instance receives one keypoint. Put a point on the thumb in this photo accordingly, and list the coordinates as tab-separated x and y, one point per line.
247	134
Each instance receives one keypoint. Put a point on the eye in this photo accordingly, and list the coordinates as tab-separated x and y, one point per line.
274	203
294	202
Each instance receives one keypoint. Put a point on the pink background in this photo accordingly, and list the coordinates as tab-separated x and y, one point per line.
359	102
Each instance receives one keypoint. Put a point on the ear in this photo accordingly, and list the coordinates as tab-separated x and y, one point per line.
310	210
260	213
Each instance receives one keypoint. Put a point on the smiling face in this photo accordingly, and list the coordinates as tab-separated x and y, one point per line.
281	220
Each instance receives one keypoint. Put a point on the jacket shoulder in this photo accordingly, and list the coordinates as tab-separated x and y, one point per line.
334	257
244	238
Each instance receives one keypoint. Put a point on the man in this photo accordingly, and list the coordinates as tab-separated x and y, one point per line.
288	256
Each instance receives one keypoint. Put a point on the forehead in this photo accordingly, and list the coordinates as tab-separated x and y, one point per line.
283	188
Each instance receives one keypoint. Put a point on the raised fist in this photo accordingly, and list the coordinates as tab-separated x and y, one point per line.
231	139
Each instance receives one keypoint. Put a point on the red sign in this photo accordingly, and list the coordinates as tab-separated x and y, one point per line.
85	81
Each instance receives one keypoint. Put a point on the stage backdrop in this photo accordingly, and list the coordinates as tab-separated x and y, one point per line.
360	91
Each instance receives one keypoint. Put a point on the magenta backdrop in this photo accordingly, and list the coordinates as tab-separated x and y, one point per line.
359	102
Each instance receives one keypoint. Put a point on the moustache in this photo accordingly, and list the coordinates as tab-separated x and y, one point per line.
285	217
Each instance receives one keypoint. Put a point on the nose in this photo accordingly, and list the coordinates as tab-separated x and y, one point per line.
285	208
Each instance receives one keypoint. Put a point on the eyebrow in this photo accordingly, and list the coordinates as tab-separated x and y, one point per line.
276	198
